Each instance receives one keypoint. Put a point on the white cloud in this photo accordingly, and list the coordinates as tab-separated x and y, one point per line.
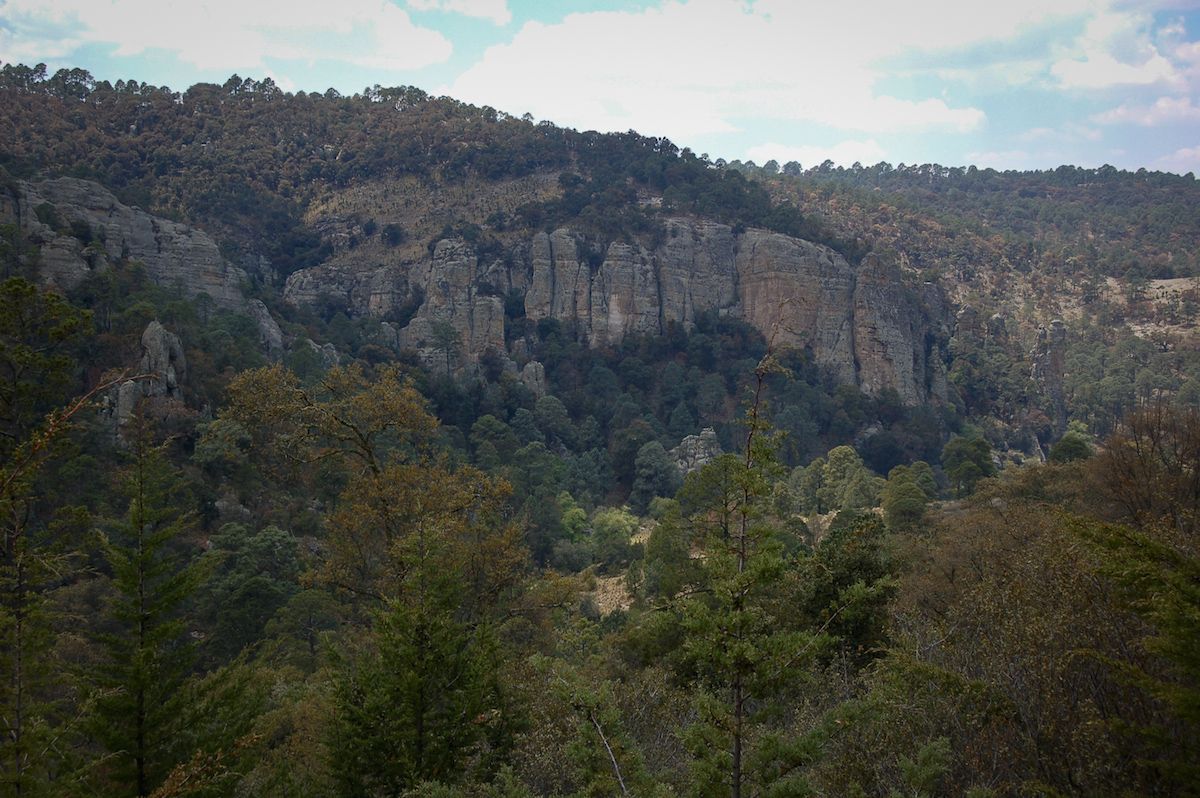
1099	70
225	34
1182	161
844	153
495	11
1005	159
1115	49
693	67
1067	132
1164	110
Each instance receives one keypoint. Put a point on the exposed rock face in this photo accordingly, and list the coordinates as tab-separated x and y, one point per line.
867	324
800	294
888	334
534	378
454	301
161	370
270	337
695	451
327	353
162	356
173	254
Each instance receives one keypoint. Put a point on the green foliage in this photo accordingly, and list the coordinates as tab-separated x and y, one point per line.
846	584
839	481
256	574
1141	218
40	563
146	653
966	461
923	772
655	475
1161	582
604	759
1070	447
612	529
744	650
906	495
425	707
40	333
668	566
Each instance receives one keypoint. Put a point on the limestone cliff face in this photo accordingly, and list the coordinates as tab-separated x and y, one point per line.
799	294
81	228
173	254
161	372
455	300
866	323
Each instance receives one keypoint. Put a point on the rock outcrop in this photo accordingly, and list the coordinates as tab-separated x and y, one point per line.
91	229
270	337
459	316
160	375
868	324
81	228
696	451
326	354
533	376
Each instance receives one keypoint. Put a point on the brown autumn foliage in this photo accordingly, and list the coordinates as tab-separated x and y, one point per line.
1149	471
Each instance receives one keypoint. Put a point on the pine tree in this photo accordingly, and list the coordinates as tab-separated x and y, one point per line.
743	648
147	654
33	697
28	569
425	551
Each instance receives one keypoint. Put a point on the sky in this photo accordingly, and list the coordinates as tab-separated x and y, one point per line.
1008	84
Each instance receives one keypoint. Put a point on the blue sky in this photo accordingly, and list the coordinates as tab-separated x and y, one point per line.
1005	83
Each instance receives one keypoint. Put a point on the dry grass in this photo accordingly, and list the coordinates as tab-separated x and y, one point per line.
610	594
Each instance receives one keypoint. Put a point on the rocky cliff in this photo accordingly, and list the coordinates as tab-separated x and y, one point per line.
869	324
82	228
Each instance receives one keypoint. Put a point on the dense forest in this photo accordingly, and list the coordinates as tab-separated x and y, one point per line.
694	563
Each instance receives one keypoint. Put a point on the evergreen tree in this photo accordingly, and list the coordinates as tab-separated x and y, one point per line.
424	550
1161	582
742	648
30	567
655	474
966	461
34	329
423	706
903	501
147	654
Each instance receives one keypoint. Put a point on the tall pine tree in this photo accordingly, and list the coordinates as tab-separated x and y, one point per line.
744	644
147	654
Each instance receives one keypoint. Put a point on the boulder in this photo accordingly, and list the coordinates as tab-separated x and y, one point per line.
695	451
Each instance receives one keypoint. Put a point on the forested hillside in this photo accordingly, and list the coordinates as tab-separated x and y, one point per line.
386	445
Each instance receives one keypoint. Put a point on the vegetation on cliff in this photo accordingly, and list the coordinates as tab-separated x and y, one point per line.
320	563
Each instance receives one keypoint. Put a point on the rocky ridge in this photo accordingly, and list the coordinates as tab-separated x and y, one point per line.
82	228
868	324
94	229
